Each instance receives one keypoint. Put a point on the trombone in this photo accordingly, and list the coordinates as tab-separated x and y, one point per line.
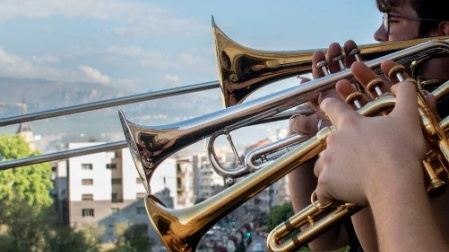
237	80
241	71
181	230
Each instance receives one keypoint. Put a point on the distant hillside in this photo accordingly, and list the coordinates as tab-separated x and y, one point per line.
102	125
43	94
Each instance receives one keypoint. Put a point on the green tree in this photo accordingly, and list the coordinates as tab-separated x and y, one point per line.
66	239
28	186
279	214
131	238
24	197
137	237
27	218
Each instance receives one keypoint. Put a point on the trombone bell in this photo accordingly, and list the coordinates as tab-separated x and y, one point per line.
243	70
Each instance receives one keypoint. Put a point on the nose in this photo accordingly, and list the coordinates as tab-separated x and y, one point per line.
380	35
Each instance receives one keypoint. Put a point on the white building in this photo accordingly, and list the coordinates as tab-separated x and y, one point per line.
105	188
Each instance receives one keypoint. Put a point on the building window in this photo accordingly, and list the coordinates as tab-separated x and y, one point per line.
116	181
140	210
87	182
87	197
139	180
86	166
141	195
88	212
115	211
114	197
111	166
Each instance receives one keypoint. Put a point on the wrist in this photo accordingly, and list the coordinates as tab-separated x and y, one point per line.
394	182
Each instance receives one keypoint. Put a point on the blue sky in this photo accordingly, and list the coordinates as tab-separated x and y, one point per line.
151	45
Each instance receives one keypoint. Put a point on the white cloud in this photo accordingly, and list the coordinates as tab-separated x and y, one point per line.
172	79
132	17
131	51
160	60
12	65
45	59
95	75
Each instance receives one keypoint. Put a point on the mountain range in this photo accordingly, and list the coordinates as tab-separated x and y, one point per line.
98	125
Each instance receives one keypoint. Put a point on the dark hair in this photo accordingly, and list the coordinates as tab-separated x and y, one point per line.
430	9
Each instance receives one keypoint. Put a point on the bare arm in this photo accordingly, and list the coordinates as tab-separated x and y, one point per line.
302	183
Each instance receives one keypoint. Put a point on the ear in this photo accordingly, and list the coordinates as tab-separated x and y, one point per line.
443	27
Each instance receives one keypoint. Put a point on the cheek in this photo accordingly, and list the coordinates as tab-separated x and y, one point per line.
405	32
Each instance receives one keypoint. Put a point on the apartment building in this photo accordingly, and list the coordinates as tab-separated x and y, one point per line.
105	189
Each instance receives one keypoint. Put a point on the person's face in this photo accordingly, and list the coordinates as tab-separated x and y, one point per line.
400	28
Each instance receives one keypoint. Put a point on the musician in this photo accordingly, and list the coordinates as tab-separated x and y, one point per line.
402	20
378	161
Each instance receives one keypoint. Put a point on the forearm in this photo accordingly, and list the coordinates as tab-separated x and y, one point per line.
363	223
403	219
302	182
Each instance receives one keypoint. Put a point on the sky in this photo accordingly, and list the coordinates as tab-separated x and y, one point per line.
146	45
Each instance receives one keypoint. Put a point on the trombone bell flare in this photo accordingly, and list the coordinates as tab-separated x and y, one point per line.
135	154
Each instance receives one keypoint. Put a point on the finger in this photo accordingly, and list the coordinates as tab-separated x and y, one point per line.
335	58
344	88
303	79
319	163
348	93
321	193
336	110
386	67
307	125
406	107
432	101
323	197
323	95
405	92
365	75
316	58
352	52
429	98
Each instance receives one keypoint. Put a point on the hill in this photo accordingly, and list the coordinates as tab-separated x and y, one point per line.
101	125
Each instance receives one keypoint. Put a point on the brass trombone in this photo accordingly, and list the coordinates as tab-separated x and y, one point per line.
236	80
181	230
243	70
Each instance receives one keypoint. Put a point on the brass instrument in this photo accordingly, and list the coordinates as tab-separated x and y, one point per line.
243	70
435	165
181	230
298	62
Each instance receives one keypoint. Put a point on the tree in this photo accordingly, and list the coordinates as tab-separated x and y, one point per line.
27	186
24	196
131	238
279	214
66	239
27	219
